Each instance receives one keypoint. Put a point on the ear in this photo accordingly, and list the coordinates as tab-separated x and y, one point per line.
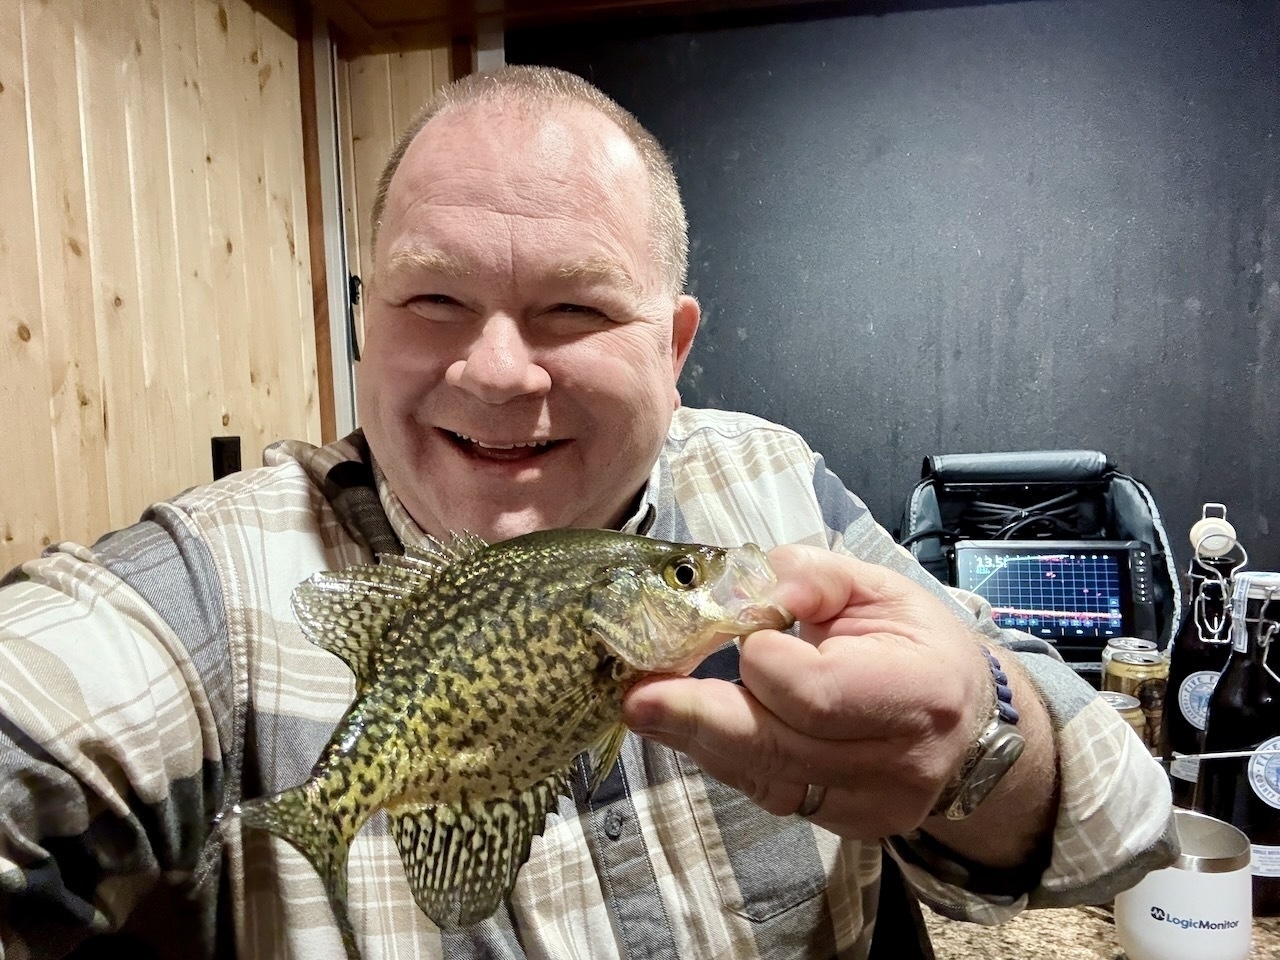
684	324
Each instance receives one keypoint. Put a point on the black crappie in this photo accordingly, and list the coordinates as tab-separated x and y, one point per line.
481	673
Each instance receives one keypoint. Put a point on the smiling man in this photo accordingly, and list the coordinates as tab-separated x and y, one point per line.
526	325
520	345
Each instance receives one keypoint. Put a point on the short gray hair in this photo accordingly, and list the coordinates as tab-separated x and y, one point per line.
532	86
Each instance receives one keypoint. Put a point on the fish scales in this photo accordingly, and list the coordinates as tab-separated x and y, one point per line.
482	672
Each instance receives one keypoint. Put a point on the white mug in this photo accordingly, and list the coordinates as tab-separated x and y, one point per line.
1201	908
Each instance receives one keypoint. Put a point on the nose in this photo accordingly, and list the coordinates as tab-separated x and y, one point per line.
499	364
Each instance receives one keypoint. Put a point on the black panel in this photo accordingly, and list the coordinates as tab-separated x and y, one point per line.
225	452
971	227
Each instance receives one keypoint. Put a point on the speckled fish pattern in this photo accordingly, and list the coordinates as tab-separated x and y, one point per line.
482	672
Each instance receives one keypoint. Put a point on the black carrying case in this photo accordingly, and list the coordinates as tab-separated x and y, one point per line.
1037	495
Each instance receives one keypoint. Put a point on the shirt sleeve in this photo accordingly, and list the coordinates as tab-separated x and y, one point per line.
110	769
1115	811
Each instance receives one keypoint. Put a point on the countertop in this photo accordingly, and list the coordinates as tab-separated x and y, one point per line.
1079	933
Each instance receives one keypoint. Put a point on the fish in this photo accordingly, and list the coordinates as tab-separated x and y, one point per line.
483	671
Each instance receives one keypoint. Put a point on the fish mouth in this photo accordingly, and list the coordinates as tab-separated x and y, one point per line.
745	592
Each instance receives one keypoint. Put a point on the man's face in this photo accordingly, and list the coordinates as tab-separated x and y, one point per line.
522	347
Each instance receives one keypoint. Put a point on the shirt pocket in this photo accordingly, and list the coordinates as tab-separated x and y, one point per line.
762	865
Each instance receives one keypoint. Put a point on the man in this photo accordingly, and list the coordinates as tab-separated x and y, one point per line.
526	327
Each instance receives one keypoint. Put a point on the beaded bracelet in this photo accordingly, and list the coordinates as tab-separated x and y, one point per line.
1004	693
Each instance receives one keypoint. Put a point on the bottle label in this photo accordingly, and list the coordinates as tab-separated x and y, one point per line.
1193	696
1185	768
1265	861
1264	772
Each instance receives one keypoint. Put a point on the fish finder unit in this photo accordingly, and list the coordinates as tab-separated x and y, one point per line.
1076	594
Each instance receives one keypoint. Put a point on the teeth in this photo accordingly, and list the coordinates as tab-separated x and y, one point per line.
503	446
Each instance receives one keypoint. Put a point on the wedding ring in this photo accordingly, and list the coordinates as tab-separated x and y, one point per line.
813	796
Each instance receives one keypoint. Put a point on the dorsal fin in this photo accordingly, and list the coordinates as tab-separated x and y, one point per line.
461	546
461	861
348	612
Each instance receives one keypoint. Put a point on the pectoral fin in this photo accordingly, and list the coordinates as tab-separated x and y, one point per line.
462	861
603	755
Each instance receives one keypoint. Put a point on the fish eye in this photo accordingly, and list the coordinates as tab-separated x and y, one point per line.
683	573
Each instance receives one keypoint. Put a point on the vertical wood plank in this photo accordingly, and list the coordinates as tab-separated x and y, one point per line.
192	241
31	517
247	80
102	47
378	95
65	277
286	231
411	84
173	441
221	110
372	134
441	67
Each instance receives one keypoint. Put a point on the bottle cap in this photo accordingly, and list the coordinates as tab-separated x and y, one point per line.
1255	585
1212	537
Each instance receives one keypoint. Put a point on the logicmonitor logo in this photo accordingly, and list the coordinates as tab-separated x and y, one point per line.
1190	923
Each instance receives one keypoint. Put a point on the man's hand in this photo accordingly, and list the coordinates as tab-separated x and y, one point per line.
879	700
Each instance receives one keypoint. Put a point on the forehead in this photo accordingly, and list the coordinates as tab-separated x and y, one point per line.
548	168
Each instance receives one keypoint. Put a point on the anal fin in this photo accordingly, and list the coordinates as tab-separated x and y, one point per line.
462	861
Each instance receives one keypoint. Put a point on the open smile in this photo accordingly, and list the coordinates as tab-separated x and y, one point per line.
494	450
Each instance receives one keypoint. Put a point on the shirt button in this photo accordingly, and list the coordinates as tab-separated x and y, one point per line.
613	825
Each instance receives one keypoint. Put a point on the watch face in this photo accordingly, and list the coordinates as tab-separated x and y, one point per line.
1000	750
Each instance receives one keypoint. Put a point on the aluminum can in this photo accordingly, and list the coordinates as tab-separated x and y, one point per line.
1144	675
1128	708
1125	645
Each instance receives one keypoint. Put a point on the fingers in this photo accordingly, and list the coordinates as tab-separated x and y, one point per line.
724	725
845	688
735	740
717	718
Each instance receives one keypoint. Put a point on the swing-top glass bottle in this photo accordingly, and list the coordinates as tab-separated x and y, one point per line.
1200	648
1239	778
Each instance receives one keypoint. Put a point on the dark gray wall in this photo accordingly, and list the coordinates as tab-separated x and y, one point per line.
976	227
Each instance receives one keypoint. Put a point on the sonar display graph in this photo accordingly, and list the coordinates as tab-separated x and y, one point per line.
1073	594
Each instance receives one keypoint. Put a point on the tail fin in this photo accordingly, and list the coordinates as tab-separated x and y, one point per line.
294	816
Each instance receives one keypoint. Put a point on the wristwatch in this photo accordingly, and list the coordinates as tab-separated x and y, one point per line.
989	759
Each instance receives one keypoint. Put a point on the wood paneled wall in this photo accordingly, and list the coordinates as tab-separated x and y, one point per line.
378	94
154	276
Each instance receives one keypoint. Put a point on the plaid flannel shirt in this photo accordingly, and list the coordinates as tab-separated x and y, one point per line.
148	682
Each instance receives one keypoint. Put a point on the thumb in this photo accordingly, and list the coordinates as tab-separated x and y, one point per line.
817	585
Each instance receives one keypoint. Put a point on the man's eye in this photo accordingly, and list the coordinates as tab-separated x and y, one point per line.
433	299
578	310
437	307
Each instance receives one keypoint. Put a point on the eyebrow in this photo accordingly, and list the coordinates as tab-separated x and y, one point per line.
596	269
425	259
